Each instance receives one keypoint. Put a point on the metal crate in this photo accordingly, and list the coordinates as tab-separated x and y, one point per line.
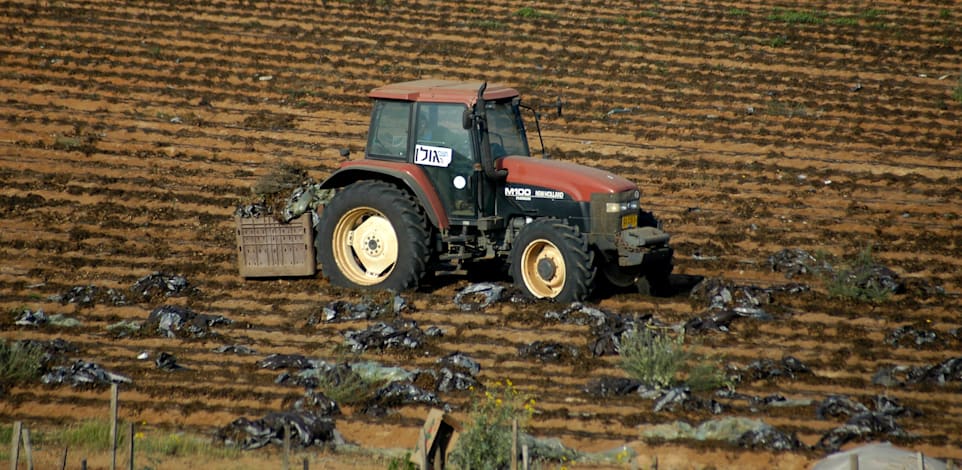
268	248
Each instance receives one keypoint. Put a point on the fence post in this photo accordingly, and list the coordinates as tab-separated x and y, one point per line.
286	459
15	445
424	455
853	462
27	447
130	439
63	461
514	444
113	425
921	458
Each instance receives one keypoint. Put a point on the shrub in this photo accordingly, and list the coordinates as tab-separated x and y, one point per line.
957	92
651	357
19	362
707	376
860	281
485	442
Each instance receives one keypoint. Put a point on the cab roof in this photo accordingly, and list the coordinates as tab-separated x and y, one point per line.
441	91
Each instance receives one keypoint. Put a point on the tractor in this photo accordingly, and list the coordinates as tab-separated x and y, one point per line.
448	182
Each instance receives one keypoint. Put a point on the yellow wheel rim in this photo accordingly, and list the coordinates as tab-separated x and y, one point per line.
543	269
365	246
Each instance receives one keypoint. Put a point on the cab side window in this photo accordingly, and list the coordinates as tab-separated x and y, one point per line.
390	124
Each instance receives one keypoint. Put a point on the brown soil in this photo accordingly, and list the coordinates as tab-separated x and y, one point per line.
131	132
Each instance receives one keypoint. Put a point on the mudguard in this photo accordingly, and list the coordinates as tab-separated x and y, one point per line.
405	175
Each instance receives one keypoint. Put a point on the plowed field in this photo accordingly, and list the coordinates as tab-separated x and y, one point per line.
131	130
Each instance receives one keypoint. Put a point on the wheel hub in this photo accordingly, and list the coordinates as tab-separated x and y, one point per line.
546	268
373	246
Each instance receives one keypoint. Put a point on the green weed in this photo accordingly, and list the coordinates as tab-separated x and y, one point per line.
488	24
93	434
845	21
797	17
19	362
485	442
858	280
532	13
651	357
778	41
957	92
737	12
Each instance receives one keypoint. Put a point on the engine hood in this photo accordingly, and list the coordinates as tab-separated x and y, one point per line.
577	181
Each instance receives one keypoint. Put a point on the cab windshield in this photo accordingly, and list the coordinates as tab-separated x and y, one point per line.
506	130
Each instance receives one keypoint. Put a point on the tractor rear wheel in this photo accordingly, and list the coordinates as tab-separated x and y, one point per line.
373	235
551	260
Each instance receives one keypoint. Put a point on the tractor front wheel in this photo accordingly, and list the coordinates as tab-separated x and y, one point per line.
551	260
373	235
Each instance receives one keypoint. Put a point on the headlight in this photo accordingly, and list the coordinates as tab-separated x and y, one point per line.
633	205
612	207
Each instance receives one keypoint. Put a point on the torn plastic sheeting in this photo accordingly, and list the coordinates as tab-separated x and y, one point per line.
547	351
478	296
173	321
159	284
460	360
795	261
404	393
366	309
306	429
89	296
612	386
864	426
949	370
39	318
839	405
449	380
168	362
765	369
769	438
908	335
235	349
285	361
720	294
681	396
252	211
744	432
317	403
82	373
579	314
862	423
402	334
30	318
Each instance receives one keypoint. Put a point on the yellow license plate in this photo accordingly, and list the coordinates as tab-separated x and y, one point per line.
629	221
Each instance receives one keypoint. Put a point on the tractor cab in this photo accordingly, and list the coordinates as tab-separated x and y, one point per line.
427	123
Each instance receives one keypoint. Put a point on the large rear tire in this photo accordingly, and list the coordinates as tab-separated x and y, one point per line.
551	260
373	235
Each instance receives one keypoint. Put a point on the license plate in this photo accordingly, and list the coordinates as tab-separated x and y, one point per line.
629	221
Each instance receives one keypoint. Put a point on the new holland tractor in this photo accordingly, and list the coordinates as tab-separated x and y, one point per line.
448	181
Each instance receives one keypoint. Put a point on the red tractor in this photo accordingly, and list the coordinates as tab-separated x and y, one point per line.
448	181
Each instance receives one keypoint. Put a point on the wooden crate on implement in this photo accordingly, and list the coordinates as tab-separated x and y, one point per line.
269	248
